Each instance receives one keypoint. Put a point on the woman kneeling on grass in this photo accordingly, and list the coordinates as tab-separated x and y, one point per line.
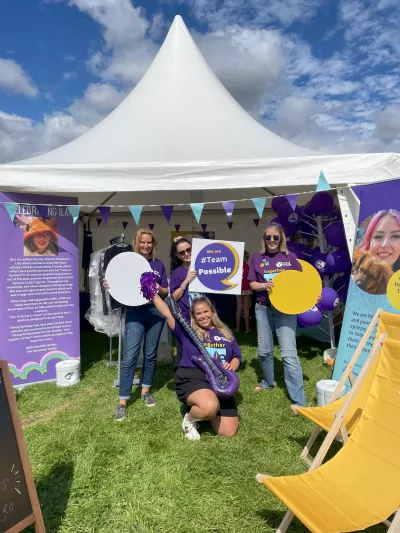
192	386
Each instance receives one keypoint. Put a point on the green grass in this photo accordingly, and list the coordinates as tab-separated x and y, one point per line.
141	475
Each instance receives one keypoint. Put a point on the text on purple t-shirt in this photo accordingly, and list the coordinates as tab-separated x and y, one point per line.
264	267
226	349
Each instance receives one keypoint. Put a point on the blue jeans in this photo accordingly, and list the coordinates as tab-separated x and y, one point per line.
141	323
285	327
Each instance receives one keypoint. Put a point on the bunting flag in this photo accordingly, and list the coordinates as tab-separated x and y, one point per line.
74	210
105	211
136	211
259	204
99	221
229	206
256	221
323	184
292	199
167	211
204	227
177	227
43	211
11	209
151	226
124	224
197	210
230	224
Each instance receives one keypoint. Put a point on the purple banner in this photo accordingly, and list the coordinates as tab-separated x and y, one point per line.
39	321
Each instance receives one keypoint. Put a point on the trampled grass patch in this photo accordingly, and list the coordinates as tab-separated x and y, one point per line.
141	476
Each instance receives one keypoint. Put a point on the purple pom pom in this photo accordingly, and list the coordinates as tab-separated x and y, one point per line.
148	286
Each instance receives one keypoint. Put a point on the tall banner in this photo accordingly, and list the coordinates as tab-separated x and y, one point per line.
39	285
375	274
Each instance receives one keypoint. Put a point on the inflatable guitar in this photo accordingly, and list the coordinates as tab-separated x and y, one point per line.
223	382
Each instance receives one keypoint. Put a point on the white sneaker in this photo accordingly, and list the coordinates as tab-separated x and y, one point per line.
190	429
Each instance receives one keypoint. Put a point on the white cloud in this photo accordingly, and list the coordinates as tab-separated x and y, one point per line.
388	124
14	79
69	75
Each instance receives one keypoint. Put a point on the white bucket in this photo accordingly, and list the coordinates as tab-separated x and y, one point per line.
68	372
325	390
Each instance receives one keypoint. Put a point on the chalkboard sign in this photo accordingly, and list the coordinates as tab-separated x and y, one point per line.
19	505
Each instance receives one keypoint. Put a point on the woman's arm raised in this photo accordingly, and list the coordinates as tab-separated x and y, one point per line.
165	311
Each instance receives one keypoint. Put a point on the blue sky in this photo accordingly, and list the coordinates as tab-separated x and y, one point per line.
322	73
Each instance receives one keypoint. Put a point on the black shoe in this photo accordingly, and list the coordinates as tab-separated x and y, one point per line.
120	413
148	400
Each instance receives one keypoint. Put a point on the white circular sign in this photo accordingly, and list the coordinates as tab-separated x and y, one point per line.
123	277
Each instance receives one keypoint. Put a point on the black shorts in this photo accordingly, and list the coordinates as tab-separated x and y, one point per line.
189	380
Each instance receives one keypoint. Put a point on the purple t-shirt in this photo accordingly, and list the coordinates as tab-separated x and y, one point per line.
178	276
158	269
225	348
264	267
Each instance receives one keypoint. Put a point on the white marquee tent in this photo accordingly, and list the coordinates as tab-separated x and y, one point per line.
180	137
180	130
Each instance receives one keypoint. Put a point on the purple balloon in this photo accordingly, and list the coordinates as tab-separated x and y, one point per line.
290	230
337	213
307	210
338	261
299	249
277	201
335	234
322	203
318	260
287	216
310	318
329	299
340	283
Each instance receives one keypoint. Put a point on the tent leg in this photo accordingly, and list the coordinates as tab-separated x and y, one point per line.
307	448
395	524
287	519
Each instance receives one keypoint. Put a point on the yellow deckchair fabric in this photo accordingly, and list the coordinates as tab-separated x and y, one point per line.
360	486
324	417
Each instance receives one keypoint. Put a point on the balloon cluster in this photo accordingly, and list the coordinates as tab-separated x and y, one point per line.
302	223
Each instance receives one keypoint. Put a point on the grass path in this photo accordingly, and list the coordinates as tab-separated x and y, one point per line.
142	476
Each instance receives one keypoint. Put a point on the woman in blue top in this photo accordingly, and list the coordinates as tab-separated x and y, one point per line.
142	324
192	386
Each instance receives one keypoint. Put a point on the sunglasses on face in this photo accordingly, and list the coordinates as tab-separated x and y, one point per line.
186	251
271	237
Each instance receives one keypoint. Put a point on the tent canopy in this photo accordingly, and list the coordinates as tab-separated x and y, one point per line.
180	130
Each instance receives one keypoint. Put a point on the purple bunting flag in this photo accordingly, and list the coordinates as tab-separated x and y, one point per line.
230	224
256	221
204	227
167	211
99	221
177	227
229	206
151	226
105	211
292	199
124	224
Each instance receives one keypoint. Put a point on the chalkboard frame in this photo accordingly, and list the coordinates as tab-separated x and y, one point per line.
36	517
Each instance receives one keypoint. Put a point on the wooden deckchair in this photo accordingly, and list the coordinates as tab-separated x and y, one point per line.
324	417
360	486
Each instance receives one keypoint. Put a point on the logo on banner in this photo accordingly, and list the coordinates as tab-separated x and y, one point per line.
216	264
293	218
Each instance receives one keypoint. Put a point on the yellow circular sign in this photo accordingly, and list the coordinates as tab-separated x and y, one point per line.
393	290
295	292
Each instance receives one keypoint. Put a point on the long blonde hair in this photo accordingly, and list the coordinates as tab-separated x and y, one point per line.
216	321
136	240
282	238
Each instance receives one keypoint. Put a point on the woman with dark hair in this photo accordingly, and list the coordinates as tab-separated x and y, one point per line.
273	258
181	277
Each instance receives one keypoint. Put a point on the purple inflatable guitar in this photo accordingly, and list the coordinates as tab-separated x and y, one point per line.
223	382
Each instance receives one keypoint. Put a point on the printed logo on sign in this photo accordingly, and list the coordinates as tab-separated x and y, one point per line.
216	264
319	264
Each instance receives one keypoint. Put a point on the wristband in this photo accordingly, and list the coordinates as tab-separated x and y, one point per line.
182	289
